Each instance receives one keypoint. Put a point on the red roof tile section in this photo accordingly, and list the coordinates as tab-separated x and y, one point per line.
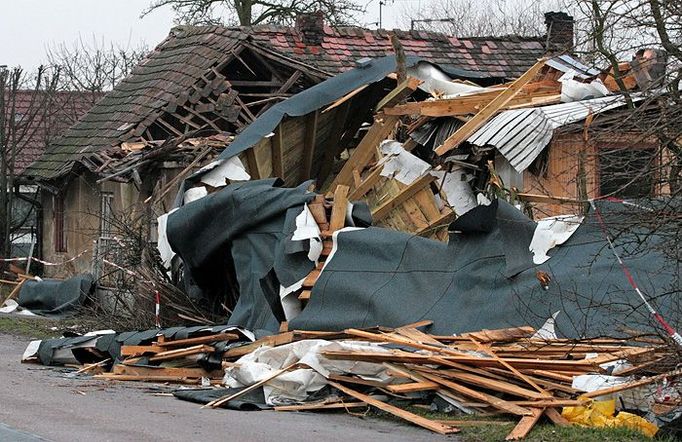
499	57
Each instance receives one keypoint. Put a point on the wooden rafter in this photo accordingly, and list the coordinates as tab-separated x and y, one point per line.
382	127
489	110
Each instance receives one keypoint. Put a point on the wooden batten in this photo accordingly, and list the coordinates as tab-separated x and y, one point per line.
277	155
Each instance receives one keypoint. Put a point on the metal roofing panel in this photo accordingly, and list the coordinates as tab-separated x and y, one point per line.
521	134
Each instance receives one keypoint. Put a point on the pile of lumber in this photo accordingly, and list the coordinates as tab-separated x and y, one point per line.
166	360
491	372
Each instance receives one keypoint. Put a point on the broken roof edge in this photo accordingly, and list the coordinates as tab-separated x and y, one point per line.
324	94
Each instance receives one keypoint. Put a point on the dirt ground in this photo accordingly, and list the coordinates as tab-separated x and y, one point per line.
40	403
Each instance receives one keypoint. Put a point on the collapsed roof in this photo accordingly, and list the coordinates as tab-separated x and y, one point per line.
219	79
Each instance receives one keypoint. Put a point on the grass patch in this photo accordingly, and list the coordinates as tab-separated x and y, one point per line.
41	328
542	432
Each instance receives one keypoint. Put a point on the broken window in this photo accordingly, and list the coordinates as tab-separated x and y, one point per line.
627	172
59	223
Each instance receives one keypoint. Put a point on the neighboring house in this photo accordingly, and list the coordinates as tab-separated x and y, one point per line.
37	120
151	129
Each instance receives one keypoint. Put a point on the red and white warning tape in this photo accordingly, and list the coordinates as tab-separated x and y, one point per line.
47	263
674	335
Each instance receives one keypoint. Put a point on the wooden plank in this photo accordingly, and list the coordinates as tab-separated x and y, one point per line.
338	217
443	220
138	350
408	192
181	353
252	163
367	184
15	291
411	387
491	384
277	153
309	141
137	370
403	414
173	379
525	425
263	153
382	127
556	417
218	402
319	406
489	110
199	340
272	341
470	104
407	357
520	375
354	380
401	92
494	401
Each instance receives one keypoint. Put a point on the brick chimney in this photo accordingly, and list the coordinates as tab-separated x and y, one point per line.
311	27
559	32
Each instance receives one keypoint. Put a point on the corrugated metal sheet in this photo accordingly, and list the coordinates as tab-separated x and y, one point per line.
521	134
564	63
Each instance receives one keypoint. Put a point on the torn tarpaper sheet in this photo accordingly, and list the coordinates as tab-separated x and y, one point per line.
572	90
219	171
194	194
437	83
163	245
296	385
547	331
457	190
289	298
400	164
307	229
551	232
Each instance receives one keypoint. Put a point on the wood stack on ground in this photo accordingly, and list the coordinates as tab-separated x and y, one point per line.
490	372
169	360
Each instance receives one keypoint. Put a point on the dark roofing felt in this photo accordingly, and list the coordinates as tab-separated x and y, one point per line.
188	52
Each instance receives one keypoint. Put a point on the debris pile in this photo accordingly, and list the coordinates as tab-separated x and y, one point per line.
513	372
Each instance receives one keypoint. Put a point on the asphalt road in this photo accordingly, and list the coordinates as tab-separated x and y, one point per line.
39	403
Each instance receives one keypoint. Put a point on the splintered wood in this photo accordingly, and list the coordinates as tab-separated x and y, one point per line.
490	372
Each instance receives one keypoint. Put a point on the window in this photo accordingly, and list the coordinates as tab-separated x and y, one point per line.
627	172
59	224
105	215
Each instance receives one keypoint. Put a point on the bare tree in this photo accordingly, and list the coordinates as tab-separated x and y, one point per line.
93	67
470	18
253	12
25	106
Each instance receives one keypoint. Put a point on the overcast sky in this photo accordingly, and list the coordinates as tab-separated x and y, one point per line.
28	27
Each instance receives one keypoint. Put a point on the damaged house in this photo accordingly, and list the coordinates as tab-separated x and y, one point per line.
35	119
202	86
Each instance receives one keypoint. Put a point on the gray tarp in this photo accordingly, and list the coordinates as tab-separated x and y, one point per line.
52	297
484	278
248	224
